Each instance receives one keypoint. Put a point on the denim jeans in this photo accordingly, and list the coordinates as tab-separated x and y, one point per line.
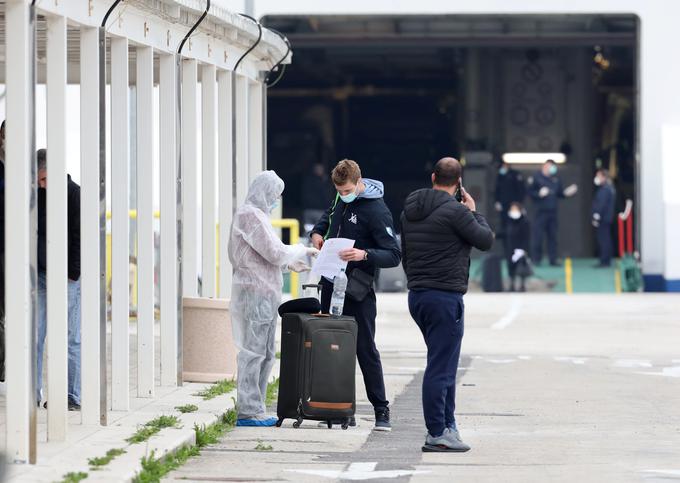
73	336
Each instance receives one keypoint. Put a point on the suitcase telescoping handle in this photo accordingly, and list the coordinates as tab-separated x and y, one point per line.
317	286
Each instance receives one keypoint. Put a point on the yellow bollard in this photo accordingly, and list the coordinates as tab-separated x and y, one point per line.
294	226
568	276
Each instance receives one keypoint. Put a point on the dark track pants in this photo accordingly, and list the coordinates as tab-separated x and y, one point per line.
545	225
440	317
368	356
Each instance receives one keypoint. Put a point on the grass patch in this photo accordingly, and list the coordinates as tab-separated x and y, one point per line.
224	386
211	434
278	355
153	469
97	463
153	427
272	392
263	447
74	477
187	408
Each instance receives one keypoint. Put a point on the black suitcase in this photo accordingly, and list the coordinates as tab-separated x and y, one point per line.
492	279
318	362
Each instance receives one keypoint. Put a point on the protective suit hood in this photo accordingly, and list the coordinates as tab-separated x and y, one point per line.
264	190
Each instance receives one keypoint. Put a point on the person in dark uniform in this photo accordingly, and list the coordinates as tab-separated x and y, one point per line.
603	215
545	188
510	188
518	240
360	214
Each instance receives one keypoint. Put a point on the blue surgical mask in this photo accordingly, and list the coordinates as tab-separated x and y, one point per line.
276	204
553	170
503	171
348	198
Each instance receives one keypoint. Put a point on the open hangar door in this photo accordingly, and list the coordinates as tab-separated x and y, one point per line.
396	93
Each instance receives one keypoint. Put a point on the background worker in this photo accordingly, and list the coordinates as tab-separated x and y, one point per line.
545	189
603	215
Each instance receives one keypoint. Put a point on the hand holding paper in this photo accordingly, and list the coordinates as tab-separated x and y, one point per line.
328	264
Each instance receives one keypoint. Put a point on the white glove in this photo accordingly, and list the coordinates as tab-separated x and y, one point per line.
596	223
543	192
299	266
311	252
570	190
498	206
517	255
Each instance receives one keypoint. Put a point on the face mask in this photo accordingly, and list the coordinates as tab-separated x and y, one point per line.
349	198
503	171
515	214
597	181
553	170
276	204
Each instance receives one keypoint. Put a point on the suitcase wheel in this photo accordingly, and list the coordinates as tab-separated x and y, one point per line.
345	423
279	422
330	424
297	423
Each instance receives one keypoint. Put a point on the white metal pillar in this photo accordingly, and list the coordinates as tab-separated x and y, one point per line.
169	211
241	124
255	130
120	226
226	177
92	253
145	245
208	132
189	147
57	226
21	224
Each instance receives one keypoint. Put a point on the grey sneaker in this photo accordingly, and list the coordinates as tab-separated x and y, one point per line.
382	420
449	441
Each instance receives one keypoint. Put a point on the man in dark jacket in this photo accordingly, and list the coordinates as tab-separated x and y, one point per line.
545	188
510	189
438	233
359	213
603	215
73	200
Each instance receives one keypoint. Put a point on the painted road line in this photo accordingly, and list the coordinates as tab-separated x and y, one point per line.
359	472
574	360
568	276
510	316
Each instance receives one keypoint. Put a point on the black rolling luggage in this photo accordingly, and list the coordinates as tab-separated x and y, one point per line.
318	361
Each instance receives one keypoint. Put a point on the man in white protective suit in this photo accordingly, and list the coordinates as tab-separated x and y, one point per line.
258	258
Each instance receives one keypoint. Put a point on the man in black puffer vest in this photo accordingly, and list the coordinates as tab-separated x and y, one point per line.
437	234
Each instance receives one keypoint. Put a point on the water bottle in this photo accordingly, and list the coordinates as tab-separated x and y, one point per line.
338	297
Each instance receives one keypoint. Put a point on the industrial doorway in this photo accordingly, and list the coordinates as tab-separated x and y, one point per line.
396	93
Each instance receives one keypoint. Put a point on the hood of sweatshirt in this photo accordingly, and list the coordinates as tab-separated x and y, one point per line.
373	189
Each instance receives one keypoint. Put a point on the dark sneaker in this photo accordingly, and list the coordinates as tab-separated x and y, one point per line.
449	441
382	420
73	406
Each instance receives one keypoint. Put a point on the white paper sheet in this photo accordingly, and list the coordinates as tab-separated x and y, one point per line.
328	264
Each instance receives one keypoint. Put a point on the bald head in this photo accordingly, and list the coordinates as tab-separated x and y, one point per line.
447	172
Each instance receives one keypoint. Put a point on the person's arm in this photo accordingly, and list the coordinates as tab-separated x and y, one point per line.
533	188
261	238
387	254
403	242
472	228
74	234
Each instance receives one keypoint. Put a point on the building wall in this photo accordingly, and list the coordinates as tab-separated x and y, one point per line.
659	76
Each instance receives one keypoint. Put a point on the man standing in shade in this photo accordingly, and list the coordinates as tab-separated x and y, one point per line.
545	188
603	215
510	189
438	233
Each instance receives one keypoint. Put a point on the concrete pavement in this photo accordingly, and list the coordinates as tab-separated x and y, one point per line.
550	388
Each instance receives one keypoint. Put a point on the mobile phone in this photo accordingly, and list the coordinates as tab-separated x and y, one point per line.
459	193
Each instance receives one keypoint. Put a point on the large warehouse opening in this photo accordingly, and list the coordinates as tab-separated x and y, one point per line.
396	93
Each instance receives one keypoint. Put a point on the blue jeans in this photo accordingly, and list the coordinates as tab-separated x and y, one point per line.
73	336
440	317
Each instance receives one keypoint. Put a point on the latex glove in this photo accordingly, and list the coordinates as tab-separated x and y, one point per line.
299	266
570	190
517	255
543	192
498	206
312	252
596	223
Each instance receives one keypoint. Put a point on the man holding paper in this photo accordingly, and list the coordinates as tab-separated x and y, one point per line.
359	213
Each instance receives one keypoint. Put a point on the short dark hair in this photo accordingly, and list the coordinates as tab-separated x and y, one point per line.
42	158
346	171
447	172
550	161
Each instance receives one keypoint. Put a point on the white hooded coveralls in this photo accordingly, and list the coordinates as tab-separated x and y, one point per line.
258	258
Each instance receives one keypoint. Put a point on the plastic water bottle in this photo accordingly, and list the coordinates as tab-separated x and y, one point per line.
338	297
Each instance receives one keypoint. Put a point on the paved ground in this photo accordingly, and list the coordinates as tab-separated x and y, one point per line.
551	388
